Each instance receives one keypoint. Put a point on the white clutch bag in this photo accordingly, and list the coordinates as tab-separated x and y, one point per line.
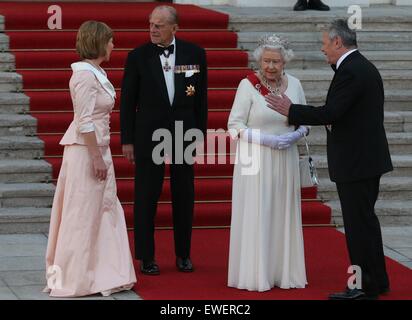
308	174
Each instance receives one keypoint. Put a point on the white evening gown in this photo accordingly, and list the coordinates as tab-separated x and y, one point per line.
266	239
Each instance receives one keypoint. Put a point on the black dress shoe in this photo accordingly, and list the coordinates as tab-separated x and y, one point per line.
301	5
317	5
352	294
149	267
184	264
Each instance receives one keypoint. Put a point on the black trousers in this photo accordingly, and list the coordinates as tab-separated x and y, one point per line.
148	188
363	232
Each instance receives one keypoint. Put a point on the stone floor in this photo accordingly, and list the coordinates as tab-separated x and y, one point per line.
22	264
22	270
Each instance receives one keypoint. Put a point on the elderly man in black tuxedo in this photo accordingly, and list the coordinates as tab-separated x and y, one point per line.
165	83
357	150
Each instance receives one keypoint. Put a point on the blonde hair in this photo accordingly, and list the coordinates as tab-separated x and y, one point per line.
92	39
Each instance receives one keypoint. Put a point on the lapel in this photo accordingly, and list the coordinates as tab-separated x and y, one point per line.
337	72
182	58
156	69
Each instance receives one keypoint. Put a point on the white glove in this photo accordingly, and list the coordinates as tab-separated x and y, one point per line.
288	139
256	136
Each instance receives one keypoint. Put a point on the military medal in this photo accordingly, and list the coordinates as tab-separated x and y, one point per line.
167	67
190	91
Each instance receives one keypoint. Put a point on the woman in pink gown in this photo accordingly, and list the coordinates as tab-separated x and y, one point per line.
88	248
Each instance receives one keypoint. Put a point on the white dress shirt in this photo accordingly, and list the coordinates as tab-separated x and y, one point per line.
170	75
343	57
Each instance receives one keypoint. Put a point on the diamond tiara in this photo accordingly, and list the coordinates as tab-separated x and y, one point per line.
273	40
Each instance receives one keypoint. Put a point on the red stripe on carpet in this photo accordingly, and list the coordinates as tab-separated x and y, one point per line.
59	122
52	147
219	214
28	15
326	266
63	59
61	101
39	79
124	169
121	39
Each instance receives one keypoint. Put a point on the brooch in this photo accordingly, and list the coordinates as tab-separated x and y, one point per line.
190	91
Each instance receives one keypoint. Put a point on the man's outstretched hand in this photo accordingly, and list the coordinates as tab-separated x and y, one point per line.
280	104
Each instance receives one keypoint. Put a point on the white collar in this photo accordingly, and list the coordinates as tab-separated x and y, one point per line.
172	43
101	76
343	57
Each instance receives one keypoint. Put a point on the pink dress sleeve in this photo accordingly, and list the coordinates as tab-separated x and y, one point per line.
85	92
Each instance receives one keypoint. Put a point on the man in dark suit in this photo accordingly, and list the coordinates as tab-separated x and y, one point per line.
164	85
357	150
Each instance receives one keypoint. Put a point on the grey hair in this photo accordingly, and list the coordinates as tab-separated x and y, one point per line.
173	17
340	28
273	42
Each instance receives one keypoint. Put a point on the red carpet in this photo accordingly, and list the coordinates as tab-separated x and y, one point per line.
218	99
54	123
326	268
63	59
122	39
52	79
43	58
29	15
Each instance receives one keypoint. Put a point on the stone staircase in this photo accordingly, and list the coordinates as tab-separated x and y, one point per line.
25	194
386	39
25	189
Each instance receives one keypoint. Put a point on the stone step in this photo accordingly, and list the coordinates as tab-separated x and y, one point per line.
4	42
26	195
389	212
312	41
21	147
399	121
10	82
17	124
24	220
391	188
395	100
400	143
285	20
315	60
1	23
7	61
320	79
402	166
16	171
12	102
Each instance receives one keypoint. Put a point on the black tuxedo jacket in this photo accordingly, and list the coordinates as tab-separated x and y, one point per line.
145	105
357	147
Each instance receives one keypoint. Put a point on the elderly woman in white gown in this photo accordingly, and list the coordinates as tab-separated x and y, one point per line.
266	239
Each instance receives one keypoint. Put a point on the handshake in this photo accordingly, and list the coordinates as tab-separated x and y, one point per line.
279	142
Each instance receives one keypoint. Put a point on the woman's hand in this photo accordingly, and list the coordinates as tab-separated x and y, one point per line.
128	152
99	168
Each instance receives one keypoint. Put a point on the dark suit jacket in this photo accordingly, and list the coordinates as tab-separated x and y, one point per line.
357	147
145	105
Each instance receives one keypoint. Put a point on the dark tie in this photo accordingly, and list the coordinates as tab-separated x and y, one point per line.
161	50
333	66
